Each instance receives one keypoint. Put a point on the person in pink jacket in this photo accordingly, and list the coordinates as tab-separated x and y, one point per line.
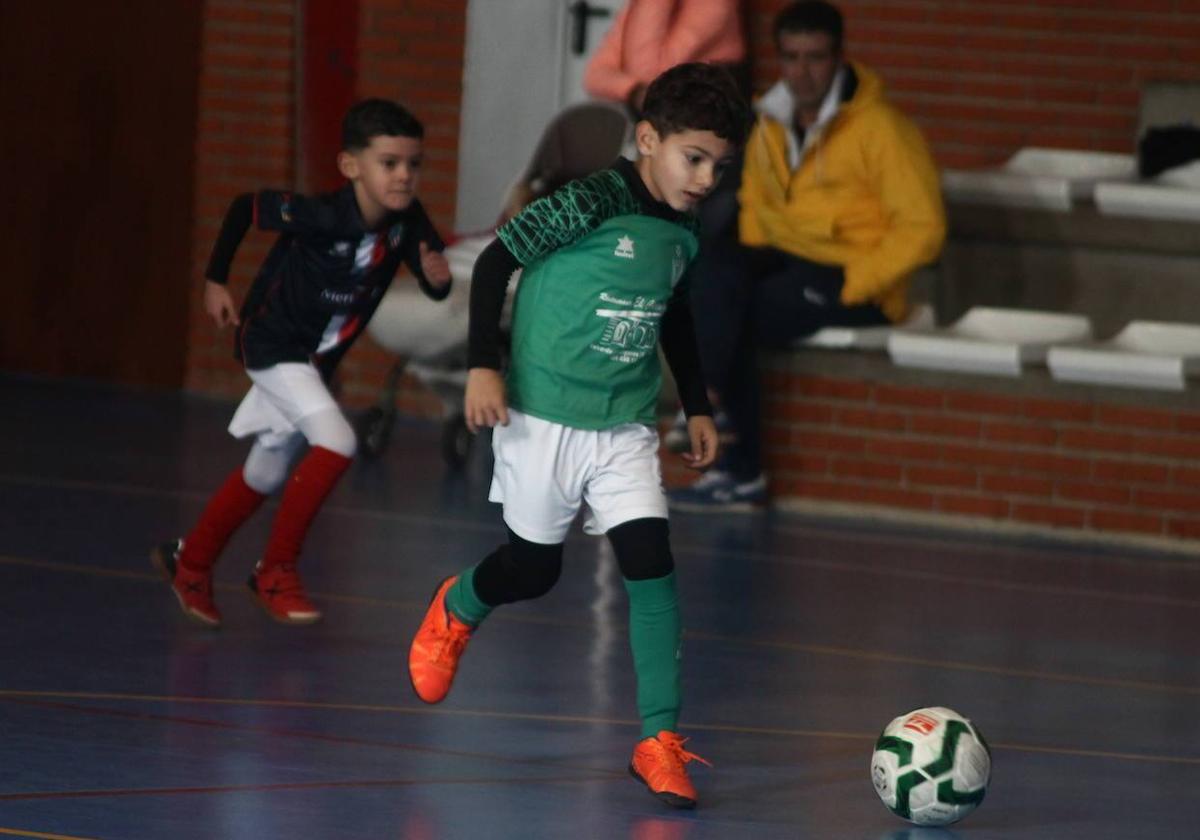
650	36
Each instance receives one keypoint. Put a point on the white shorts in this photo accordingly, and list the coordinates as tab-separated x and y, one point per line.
282	395
546	471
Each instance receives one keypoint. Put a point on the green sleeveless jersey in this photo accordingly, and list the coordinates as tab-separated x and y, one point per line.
598	274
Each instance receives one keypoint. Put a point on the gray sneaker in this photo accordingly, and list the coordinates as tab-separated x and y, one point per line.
717	490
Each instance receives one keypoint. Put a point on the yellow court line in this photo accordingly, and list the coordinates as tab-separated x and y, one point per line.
16	832
691	635
568	719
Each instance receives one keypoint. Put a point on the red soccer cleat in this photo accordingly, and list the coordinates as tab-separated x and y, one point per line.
280	592
192	589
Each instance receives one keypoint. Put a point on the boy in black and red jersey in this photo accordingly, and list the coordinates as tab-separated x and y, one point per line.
335	257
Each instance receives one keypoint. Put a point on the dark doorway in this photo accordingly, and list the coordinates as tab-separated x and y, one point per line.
99	110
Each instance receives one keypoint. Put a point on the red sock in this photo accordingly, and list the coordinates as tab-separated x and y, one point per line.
306	490
229	507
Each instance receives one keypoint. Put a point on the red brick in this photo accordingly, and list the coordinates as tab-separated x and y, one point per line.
903	449
1095	441
1050	515
974	506
1130	471
1058	410
798	462
954	453
1185	476
1025	435
1188	423
800	412
1017	485
892	497
1045	463
1181	527
1166	500
813	386
1167	446
984	404
819	441
941	425
1116	520
866	418
912	397
866	469
1135	418
1113	494
941	476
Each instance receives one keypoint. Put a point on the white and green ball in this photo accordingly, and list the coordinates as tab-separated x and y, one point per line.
931	766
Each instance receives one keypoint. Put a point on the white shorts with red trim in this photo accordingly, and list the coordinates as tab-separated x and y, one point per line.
282	395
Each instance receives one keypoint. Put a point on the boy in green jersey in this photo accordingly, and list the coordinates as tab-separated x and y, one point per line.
603	265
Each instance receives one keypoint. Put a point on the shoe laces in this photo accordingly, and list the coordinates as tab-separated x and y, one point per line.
673	747
285	580
452	640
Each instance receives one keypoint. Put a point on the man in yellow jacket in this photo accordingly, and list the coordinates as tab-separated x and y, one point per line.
840	203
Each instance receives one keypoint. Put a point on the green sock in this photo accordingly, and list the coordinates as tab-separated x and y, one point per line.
464	603
654	631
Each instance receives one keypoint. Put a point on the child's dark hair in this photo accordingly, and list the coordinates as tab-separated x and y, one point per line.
697	97
811	16
374	117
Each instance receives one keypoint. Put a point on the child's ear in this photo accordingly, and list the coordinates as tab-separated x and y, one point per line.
647	138
348	165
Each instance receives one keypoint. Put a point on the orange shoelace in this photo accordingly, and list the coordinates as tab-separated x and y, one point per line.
674	747
451	642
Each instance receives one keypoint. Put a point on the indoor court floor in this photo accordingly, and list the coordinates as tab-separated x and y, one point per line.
119	719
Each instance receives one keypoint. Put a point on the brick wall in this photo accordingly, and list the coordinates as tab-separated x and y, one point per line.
245	140
1088	464
986	77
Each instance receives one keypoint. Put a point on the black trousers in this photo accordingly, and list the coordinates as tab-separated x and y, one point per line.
748	299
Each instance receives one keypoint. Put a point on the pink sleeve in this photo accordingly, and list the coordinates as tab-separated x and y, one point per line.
604	77
704	30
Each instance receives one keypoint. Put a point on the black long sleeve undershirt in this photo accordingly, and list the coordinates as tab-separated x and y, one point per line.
489	284
238	219
678	338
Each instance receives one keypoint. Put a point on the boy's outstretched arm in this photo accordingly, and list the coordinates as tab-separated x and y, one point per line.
485	403
423	255
679	346
218	303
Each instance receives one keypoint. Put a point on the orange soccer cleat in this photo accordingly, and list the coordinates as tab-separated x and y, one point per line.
658	763
437	647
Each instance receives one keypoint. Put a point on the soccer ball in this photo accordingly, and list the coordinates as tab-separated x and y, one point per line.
931	766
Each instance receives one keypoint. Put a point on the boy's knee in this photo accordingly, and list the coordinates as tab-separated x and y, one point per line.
643	548
518	571
330	430
535	567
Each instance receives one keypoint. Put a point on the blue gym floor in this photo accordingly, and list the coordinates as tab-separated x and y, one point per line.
121	719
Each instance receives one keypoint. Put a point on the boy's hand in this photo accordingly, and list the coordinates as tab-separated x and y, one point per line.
434	266
703	433
485	403
218	303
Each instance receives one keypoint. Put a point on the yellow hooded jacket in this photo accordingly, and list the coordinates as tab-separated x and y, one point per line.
865	196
